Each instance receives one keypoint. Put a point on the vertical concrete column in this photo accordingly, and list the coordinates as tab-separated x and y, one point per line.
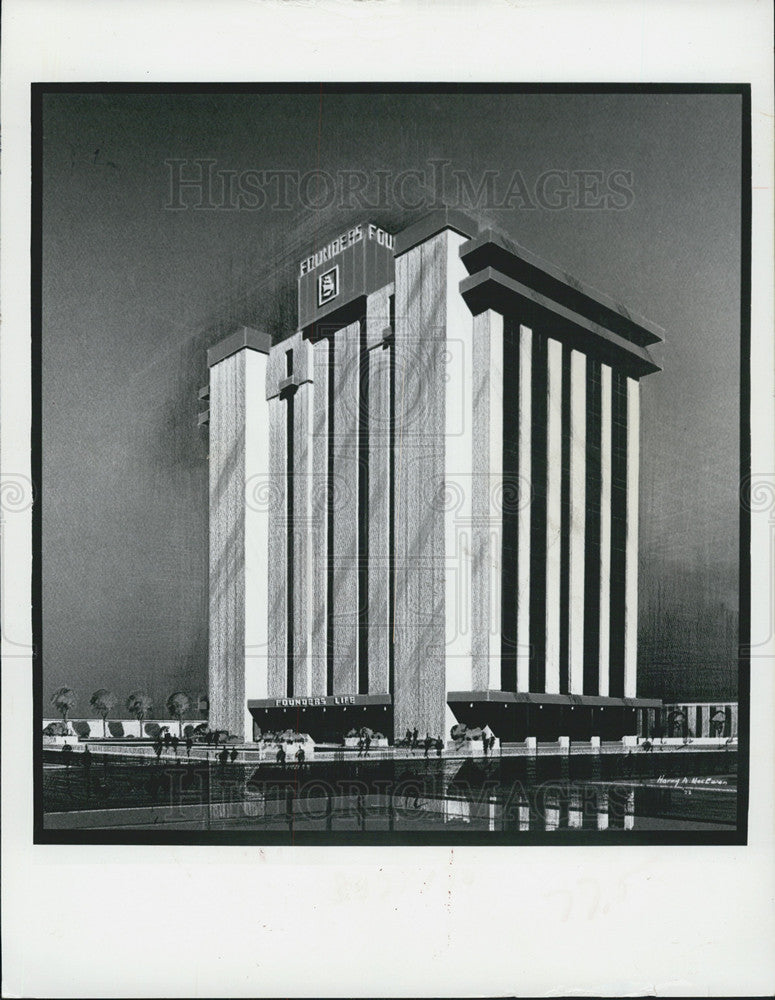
487	500
578	510
553	514
241	501
289	389
344	442
226	681
458	475
420	345
302	534
631	560
525	506
278	548
320	596
605	527
733	729
260	496
380	363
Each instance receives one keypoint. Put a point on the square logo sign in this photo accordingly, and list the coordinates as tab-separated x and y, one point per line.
328	286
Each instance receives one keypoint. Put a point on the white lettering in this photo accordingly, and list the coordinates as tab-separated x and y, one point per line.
348	239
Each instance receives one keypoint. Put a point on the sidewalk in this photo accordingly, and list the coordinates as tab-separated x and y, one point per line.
248	753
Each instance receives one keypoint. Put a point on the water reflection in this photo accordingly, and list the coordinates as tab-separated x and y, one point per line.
501	795
543	808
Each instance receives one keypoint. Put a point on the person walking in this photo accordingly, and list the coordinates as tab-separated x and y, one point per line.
366	745
189	744
280	755
415	734
300	755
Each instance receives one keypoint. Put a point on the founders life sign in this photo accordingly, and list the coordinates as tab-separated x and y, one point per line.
353	264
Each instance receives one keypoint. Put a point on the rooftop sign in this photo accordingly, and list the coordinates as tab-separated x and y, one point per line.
353	264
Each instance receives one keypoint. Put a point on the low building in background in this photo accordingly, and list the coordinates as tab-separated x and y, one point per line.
714	720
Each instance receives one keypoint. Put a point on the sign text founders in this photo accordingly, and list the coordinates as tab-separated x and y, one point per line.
334	278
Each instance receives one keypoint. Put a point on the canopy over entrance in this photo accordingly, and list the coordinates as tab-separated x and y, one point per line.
327	718
513	716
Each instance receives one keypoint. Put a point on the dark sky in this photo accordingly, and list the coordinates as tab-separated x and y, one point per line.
134	293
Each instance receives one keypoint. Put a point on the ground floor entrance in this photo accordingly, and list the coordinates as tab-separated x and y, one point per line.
327	719
513	716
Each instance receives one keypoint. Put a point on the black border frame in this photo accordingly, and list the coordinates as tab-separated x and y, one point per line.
420	838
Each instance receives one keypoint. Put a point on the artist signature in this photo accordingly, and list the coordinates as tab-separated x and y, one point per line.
663	780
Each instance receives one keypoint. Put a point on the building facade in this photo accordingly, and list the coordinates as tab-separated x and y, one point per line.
424	501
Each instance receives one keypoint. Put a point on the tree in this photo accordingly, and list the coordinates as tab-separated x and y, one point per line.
677	723
138	705
63	700
177	704
103	701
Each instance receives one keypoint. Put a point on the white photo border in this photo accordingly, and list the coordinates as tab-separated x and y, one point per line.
248	921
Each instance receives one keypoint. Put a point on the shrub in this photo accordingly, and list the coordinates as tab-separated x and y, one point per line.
82	729
352	734
55	729
116	730
152	729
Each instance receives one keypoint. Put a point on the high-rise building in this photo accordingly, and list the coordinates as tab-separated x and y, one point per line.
424	500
